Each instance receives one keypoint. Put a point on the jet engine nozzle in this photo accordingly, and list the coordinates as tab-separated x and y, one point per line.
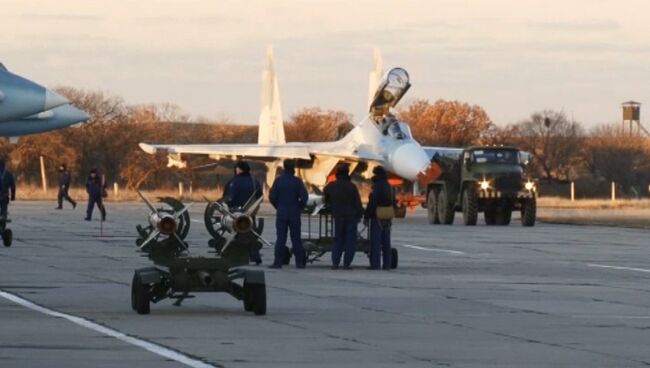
164	222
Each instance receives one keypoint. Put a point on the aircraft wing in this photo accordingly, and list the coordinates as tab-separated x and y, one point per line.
442	151
216	151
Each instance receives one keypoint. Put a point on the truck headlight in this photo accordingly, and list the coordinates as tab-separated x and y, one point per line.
484	184
529	186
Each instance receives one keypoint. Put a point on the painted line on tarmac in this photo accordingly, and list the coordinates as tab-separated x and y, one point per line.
619	268
146	345
456	252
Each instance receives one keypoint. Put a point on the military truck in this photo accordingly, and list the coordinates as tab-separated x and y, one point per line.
486	179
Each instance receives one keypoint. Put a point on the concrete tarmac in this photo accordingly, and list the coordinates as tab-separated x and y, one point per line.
552	295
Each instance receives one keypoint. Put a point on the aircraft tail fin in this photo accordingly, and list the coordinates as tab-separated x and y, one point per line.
375	75
271	126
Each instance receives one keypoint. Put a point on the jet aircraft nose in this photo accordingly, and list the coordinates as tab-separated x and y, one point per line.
408	160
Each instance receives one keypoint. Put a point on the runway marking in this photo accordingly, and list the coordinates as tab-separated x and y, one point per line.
456	252
619	268
149	346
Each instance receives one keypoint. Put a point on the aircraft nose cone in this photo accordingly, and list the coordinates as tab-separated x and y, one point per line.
53	99
409	160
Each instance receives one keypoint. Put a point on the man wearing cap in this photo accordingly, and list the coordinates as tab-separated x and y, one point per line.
345	203
381	196
288	196
241	189
64	186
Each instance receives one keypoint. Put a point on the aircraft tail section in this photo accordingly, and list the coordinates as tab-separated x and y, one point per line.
271	126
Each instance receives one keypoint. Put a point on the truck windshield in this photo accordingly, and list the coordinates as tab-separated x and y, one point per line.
494	156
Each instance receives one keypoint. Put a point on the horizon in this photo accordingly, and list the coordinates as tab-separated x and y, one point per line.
582	57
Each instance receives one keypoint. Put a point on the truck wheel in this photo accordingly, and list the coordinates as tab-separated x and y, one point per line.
432	208
503	216
7	237
445	208
470	207
139	296
394	257
529	212
490	215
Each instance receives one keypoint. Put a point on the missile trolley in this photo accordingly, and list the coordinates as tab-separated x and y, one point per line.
176	273
320	238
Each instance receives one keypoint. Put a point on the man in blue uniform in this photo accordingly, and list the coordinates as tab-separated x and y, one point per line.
95	189
7	189
241	189
381	196
344	200
288	196
64	186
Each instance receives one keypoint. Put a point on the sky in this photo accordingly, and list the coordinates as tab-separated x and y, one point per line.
511	57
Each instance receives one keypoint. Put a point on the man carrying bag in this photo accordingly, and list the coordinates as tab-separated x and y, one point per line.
379	214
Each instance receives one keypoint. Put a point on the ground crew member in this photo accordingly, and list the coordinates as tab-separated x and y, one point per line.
241	189
343	198
7	190
288	196
381	198
95	190
64	186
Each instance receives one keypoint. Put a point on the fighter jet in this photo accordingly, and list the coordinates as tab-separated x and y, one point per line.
379	139
28	108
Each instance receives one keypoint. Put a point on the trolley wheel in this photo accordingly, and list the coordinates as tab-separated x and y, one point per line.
393	258
287	256
255	298
139	295
7	237
247	299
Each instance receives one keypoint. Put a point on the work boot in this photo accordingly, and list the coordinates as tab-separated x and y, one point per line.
347	267
301	265
74	205
87	218
58	208
335	267
275	265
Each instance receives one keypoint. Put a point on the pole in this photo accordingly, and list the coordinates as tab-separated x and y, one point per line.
573	191
613	191
180	188
116	190
43	178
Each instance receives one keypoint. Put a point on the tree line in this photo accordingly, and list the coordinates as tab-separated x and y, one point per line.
563	150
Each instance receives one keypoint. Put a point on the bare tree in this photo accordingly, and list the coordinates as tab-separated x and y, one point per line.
555	142
446	123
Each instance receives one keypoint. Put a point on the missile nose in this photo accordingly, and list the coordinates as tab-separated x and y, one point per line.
53	99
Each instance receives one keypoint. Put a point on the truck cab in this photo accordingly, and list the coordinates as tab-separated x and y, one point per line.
488	179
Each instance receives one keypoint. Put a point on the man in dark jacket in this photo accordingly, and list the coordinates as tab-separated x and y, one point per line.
64	186
288	196
381	195
241	189
7	189
95	190
344	200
